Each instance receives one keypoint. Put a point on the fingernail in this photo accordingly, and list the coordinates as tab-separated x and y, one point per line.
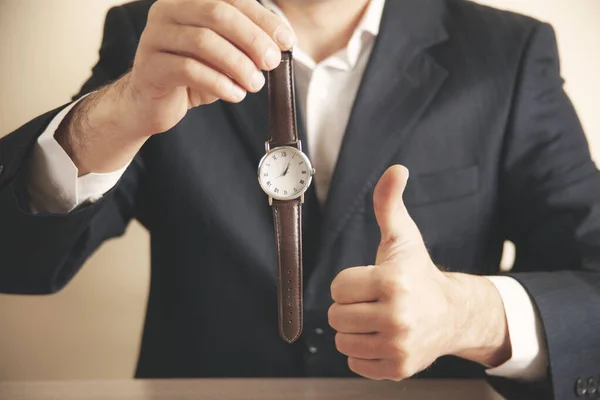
258	80
272	57
285	37
238	93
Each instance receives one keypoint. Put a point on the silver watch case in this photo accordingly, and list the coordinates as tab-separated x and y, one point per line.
297	150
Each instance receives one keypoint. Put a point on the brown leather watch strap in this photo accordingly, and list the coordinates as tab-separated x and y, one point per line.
287	214
282	103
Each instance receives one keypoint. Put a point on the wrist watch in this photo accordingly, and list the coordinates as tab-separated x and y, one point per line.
285	173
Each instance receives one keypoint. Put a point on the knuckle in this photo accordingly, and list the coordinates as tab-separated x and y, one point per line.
240	60
400	371
406	314
204	98
391	284
156	10
194	97
263	19
235	3
220	84
396	348
344	274
239	63
339	342
259	42
396	322
344	277
352	364
392	241
144	55
182	4
219	12
201	39
188	68
372	346
335	290
147	37
332	316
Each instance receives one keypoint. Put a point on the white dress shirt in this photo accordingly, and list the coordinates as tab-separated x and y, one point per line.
326	93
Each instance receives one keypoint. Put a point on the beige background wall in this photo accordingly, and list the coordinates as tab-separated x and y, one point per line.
92	328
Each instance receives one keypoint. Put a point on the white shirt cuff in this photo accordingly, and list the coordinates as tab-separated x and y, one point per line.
53	183
529	360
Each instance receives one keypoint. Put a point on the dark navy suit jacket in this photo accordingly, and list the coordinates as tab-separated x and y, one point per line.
469	98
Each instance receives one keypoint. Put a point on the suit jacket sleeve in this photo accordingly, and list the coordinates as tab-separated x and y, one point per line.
41	253
550	209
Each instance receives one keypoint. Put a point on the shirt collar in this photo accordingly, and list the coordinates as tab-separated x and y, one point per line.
364	34
371	20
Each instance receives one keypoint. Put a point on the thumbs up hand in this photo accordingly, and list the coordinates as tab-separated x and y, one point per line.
395	318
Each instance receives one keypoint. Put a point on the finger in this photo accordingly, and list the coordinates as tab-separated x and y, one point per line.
275	27
354	285
196	98
396	226
211	49
372	369
368	346
171	70
356	318
379	369
395	370
255	37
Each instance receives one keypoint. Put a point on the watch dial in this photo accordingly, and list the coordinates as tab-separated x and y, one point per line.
285	173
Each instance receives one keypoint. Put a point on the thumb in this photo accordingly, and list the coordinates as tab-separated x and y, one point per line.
397	227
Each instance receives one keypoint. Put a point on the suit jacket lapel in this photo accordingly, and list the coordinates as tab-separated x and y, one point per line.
399	83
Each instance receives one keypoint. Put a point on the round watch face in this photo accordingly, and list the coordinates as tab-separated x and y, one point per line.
285	173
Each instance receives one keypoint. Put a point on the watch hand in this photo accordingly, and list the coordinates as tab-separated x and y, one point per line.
287	168
285	171
283	174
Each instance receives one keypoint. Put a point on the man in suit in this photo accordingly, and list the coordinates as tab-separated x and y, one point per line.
469	99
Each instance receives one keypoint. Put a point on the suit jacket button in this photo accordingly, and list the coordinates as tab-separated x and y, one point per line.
580	387
1	169
592	386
